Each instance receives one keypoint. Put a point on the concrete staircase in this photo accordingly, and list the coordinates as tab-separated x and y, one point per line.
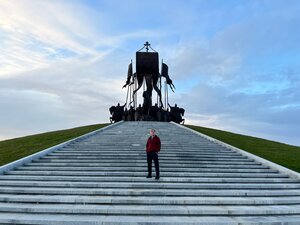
101	180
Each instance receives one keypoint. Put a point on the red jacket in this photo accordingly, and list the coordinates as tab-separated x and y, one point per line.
153	144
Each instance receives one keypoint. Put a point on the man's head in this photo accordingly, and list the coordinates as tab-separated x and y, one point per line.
152	132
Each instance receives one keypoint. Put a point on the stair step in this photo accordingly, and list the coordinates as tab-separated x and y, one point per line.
140	200
149	192
143	169
139	153
143	160
149	209
157	185
143	156
129	165
143	179
133	174
37	219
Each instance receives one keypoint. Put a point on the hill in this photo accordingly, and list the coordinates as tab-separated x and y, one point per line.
13	149
283	154
280	153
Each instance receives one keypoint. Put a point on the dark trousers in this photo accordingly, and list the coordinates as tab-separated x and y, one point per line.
153	156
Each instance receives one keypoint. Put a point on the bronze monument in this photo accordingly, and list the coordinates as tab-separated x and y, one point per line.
147	68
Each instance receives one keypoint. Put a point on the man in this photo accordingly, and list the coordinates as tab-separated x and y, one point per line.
152	148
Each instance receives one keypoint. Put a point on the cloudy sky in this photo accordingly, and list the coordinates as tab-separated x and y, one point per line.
235	64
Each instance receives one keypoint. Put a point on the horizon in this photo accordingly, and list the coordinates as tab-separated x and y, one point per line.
235	64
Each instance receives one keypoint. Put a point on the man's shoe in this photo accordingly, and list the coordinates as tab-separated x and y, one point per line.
157	178
149	176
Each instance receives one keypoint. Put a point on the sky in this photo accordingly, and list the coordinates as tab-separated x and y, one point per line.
235	63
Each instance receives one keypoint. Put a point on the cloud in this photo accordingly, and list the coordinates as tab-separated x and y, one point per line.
32	40
235	65
244	77
65	95
270	115
192	58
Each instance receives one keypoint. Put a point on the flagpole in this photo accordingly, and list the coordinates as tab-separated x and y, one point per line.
162	61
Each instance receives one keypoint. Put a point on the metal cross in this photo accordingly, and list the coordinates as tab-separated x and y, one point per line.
147	45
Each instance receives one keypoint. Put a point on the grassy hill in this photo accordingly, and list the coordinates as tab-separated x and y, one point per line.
283	154
13	149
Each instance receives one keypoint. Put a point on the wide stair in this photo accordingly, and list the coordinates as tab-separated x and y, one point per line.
102	180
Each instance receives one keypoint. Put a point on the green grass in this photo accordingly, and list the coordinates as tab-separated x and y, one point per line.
282	154
13	149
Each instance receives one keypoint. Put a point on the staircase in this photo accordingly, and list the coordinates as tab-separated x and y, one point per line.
102	180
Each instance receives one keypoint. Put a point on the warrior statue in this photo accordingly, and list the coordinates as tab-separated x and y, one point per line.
147	68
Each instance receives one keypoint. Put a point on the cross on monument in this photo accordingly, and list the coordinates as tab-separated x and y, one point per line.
147	45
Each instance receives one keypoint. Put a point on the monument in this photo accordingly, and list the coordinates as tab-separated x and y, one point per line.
147	75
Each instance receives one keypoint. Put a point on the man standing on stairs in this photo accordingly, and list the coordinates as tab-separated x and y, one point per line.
152	149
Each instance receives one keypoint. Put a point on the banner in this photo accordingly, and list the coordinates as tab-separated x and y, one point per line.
147	63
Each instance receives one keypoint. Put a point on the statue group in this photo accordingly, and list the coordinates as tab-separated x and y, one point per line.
142	113
147	73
